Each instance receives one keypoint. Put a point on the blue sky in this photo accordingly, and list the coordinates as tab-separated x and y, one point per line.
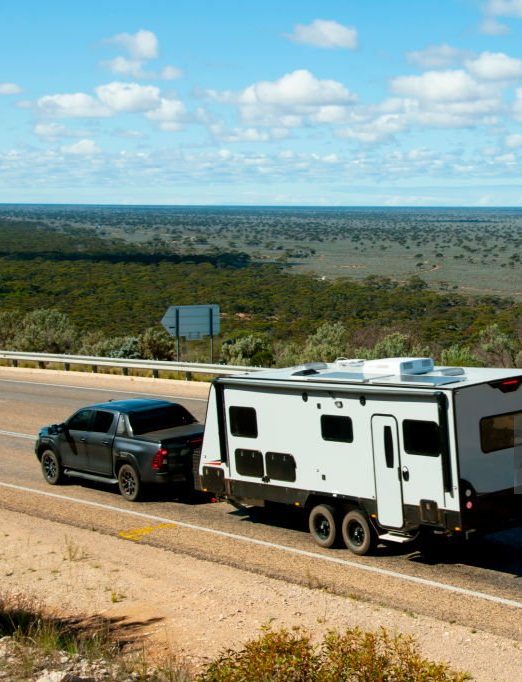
339	102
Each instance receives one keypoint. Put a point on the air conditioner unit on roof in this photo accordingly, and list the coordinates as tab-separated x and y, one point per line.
398	366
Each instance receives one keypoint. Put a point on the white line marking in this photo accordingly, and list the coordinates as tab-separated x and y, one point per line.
284	548
104	390
15	434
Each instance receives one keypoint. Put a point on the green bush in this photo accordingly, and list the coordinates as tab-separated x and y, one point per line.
352	656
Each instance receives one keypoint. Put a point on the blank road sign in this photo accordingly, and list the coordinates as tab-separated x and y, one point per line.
192	321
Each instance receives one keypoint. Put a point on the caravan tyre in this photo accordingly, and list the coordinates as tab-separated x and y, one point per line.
323	525
358	534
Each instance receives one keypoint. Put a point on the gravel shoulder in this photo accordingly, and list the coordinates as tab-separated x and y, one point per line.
197	608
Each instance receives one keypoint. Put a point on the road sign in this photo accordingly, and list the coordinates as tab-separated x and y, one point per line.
192	321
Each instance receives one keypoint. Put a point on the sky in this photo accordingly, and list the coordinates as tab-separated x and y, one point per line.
236	102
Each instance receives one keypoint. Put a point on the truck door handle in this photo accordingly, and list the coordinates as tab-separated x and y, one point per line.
406	473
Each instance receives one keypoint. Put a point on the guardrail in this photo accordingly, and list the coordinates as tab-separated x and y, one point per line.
125	364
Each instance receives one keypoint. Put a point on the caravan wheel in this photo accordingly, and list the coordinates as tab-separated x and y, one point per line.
323	525
357	533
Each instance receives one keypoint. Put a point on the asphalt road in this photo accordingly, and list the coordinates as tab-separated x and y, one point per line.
478	584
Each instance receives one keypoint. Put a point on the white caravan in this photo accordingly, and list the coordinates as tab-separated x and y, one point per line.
375	450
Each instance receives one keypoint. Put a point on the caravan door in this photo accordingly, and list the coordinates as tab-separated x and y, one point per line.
387	467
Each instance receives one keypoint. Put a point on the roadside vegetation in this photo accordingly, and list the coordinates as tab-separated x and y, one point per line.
66	289
34	642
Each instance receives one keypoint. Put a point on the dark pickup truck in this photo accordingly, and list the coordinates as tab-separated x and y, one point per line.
128	442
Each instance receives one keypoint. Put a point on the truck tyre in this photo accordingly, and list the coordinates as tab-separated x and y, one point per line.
323	525
51	467
129	482
358	534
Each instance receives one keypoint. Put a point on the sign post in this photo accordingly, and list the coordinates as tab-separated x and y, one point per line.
192	322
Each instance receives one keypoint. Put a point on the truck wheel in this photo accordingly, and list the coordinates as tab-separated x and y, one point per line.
357	533
51	467
129	482
323	525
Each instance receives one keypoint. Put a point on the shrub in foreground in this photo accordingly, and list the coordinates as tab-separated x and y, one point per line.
352	656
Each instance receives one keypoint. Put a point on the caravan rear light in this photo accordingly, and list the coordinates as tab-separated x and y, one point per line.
469	504
160	459
507	385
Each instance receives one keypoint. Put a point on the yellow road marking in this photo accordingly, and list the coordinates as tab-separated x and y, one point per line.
136	534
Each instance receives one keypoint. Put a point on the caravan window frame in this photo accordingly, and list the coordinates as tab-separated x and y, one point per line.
512	444
332	437
244	426
411	442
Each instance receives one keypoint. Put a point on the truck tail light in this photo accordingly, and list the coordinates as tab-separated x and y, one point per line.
160	459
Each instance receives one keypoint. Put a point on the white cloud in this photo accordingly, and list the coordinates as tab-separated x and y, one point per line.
436	56
327	34
54	131
517	106
125	67
142	45
247	134
514	141
492	27
134	68
129	97
379	129
82	148
169	73
504	8
170	114
297	88
10	89
495	66
440	86
74	105
287	101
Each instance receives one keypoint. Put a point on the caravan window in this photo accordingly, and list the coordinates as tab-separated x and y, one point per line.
334	427
501	431
249	463
280	466
243	422
421	438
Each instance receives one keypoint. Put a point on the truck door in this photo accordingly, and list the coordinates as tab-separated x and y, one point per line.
98	443
387	467
72	441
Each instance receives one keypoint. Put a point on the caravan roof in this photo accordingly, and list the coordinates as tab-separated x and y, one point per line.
398	372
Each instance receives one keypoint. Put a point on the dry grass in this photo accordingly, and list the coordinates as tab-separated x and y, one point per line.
112	650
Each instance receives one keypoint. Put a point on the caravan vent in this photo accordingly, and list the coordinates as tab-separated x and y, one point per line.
398	366
309	368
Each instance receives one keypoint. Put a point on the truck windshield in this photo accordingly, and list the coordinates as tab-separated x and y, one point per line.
159	418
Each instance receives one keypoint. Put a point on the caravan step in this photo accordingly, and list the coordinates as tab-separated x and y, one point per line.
396	537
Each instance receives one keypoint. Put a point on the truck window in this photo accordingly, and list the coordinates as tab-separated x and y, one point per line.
243	422
421	437
501	431
337	428
102	421
249	463
280	466
159	419
80	421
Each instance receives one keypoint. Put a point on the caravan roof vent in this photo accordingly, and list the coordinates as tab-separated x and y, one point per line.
450	371
309	368
345	362
399	366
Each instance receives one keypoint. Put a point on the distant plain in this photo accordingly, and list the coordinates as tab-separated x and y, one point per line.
471	250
